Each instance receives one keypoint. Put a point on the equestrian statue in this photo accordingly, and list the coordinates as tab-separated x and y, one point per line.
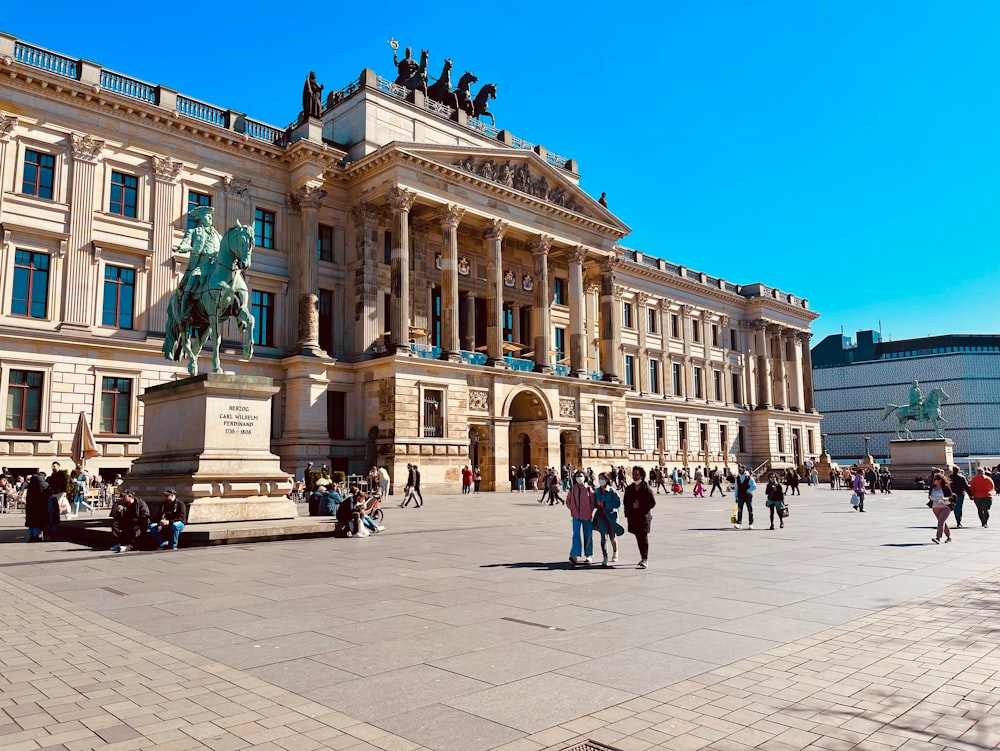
481	103
413	76
212	290
920	409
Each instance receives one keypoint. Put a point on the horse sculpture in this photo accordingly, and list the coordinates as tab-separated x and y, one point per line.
440	90
223	294
418	81
481	105
929	411
462	94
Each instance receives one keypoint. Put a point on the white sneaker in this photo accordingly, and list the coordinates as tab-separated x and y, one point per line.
124	549
357	534
115	548
749	526
379	528
614	558
643	563
736	526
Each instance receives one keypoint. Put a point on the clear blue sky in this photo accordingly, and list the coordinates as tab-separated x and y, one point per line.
844	151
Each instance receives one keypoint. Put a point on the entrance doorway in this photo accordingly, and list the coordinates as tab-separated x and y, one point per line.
528	430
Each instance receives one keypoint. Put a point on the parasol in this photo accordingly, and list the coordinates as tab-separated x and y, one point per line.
84	446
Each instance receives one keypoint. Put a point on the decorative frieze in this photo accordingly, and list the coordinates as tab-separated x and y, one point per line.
519	178
567	408
479	400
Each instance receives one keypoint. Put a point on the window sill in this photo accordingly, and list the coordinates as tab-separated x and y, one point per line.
24	435
116	438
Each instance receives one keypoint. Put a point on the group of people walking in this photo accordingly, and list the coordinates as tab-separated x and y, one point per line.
946	496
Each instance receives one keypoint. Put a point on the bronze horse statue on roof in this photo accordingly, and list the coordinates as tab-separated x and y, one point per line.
481	104
463	95
440	91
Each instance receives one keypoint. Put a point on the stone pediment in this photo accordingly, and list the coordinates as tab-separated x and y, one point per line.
524	172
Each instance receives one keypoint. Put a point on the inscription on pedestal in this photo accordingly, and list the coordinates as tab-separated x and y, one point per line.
240	419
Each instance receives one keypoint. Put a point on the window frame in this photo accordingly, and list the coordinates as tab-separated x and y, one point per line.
50	257
323	253
677	379
559	290
600	408
128	400
269	329
46	369
135	376
267	218
426	389
118	288
628	365
654	375
24	164
699	386
652	315
189	204
635	432
628	318
125	175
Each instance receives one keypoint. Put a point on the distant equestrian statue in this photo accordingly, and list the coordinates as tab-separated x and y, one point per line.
481	104
462	94
440	91
921	409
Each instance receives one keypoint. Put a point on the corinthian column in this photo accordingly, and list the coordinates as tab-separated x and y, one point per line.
78	281
309	199
400	201
807	372
540	308
450	347
611	336
780	393
577	310
166	174
795	365
763	369
493	236
366	329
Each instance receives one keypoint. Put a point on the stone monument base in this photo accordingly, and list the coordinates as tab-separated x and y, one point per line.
916	458
209	437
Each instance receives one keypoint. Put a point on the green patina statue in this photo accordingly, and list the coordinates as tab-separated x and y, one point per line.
211	290
921	409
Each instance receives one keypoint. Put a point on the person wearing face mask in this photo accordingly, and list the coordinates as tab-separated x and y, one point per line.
744	497
606	517
580	502
639	503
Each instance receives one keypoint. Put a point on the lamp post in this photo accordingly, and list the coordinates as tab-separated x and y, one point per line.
867	454
822	443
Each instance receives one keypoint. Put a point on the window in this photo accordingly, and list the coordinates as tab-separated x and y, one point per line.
697	383
627	316
733	344
654	376
124	194
741	439
603	424
695	331
324	243
24	401
326	319
196	199
116	405
661	434
809	440
724	442
31	284
336	415
717	383
508	323
263	228
119	297
675	326
558	291
560	344
436	317
262	309
39	174
781	440
682	435
433	413
387	248
703	436
677	378
652	314
737	396
715	335
635	430
630	371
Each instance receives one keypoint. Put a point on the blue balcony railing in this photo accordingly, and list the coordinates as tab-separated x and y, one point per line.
560	369
519	363
474	358
425	351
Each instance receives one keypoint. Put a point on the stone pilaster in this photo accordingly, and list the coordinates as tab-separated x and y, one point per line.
540	314
309	198
593	328
8	127
237	207
79	279
643	386
400	201
577	312
611	337
450	344
687	324
366	329
780	393
493	237
162	281
807	372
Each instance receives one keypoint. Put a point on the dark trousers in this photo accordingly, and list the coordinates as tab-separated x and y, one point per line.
716	486
124	535
739	512
861	499
983	506
773	509
642	540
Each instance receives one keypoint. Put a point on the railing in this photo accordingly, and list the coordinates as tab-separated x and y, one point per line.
520	143
391	88
560	369
650	261
596	375
130	87
519	363
474	358
555	160
425	351
483	128
40	58
264	132
201	111
439	109
627	254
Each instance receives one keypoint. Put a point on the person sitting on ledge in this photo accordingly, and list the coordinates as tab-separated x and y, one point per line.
348	515
173	515
329	500
129	522
364	506
919	484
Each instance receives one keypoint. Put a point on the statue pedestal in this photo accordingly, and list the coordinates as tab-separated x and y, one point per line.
916	458
209	438
824	467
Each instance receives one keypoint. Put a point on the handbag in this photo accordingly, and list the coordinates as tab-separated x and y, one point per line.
855	501
732	517
783	512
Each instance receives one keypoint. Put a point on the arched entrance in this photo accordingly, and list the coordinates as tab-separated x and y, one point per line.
529	429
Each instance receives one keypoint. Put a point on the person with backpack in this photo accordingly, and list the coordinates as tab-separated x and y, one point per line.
745	486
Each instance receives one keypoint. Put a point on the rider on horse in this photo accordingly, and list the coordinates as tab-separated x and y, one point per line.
407	67
916	401
202	242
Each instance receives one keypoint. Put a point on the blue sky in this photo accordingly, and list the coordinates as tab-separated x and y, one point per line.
844	151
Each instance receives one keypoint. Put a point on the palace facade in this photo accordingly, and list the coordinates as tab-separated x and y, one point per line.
426	288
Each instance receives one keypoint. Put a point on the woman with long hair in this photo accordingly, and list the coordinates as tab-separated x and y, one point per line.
940	501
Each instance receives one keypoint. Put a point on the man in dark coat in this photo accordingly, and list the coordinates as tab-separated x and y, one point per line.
638	506
166	531
36	508
130	522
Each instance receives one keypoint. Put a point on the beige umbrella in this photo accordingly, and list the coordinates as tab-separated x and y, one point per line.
84	446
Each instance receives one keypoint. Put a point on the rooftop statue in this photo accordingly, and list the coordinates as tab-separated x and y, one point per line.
211	290
481	103
312	98
920	408
411	74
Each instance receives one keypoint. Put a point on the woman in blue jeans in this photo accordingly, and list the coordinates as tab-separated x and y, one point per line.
580	502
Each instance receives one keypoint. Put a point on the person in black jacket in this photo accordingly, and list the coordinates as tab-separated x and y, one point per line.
638	506
167	531
36	508
129	522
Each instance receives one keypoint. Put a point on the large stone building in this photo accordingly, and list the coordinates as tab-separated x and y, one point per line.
426	288
856	380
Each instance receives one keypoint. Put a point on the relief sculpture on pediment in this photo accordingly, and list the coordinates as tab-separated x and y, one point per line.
519	178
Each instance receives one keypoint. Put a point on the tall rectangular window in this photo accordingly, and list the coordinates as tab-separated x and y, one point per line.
724	441
781	440
682	435
809	441
654	376
652	315
635	432
661	434
741	439
124	194
558	291
560	343
737	394
119	297
436	316
733	343
262	310
433	413
116	404
31	284
387	248
39	174
675	326
627	315
603	424
24	401
630	371
702	436
196	199
717	383
695	331
263	228
698	390
715	335
324	243
336	415
677	378
508	323
326	319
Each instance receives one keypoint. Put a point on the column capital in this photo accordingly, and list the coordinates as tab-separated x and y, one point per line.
758	324
619	292
309	196
593	288
451	215
687	310
515	305
495	229
7	127
166	169
540	245
643	297
401	199
237	187
365	214
577	254
86	148
804	336
723	321
774	329
609	264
